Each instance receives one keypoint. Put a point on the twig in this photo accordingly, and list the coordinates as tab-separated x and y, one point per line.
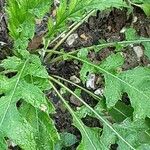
61	34
72	30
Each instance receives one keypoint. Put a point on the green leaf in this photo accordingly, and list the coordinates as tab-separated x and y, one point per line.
112	62
134	82
146	8
85	70
132	132
108	137
93	136
45	133
2	141
83	53
131	34
121	111
95	133
68	139
33	66
11	63
21	20
19	87
14	126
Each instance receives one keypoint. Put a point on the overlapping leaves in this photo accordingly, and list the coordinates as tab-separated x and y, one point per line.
22	15
21	87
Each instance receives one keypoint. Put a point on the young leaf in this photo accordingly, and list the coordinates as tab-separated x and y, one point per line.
21	20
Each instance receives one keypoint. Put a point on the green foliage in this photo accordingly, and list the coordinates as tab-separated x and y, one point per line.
21	87
73	10
45	134
25	109
67	139
143	4
22	15
132	132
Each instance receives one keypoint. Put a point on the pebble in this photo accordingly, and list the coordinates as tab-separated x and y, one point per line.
75	79
139	51
99	91
90	84
71	39
75	101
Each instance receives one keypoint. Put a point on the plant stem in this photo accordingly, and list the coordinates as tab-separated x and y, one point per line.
134	4
90	108
84	89
73	114
71	31
97	46
61	34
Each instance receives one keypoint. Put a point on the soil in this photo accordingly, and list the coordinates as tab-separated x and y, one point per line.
106	27
5	43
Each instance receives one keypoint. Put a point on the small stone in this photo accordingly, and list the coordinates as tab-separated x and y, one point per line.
135	19
123	30
109	28
99	91
75	79
139	51
84	37
71	39
90	84
75	101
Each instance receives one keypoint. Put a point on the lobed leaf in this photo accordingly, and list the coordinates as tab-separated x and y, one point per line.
22	87
45	133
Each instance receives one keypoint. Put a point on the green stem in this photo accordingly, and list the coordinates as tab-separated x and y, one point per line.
90	108
134	4
73	114
67	35
84	89
99	46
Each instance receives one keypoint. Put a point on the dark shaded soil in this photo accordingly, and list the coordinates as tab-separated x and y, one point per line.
5	43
